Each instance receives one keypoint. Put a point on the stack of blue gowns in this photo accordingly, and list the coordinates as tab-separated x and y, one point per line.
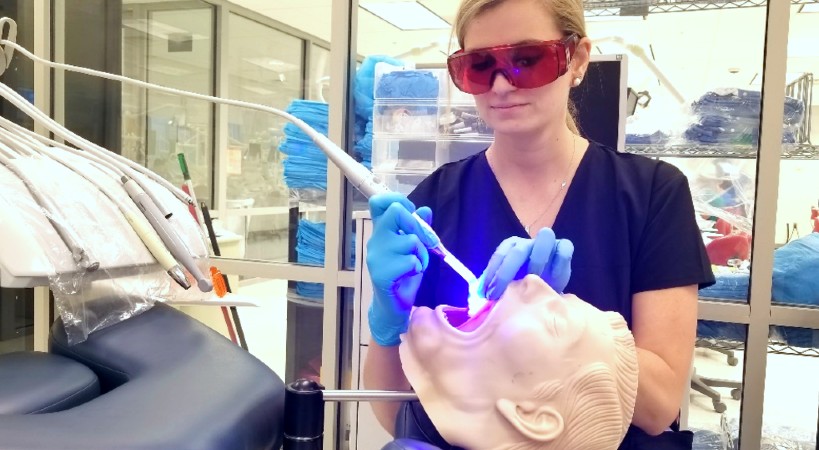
306	165
363	105
655	138
732	117
408	84
310	250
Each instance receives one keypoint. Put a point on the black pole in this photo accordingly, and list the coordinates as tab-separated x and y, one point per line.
234	312
303	415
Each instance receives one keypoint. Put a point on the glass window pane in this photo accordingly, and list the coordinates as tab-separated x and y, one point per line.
388	138
170	44
16	320
791	390
707	114
716	383
319	81
17	305
272	165
797	213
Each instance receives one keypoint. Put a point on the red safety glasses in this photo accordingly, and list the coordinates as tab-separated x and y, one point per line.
525	66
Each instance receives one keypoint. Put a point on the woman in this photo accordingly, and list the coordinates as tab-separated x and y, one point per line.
637	249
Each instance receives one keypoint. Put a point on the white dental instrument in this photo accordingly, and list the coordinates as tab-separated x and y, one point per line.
358	175
52	213
142	197
33	143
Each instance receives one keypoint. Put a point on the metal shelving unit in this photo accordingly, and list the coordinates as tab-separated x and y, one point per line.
597	8
789	151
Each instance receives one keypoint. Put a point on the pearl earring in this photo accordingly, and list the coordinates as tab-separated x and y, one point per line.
576	81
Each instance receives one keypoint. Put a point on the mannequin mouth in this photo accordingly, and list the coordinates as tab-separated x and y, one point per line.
458	318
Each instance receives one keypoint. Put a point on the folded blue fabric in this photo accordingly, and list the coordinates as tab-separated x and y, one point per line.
408	84
741	132
728	286
363	89
310	250
722	330
305	166
744	103
310	239
796	271
657	137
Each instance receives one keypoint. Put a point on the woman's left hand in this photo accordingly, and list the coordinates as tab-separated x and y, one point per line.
516	257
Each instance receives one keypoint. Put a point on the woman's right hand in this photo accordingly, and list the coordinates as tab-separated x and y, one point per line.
396	259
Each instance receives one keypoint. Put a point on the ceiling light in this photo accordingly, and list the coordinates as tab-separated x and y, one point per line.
406	15
158	29
809	8
272	64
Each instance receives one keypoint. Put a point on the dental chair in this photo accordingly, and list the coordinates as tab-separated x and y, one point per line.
158	380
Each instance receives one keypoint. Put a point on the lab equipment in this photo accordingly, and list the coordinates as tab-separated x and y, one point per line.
10	130
54	216
358	175
147	201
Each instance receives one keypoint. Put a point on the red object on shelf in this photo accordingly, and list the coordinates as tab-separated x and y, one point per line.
191	208
732	246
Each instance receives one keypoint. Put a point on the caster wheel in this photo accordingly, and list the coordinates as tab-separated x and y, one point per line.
719	407
736	394
733	361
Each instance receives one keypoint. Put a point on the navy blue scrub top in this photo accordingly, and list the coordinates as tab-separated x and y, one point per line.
630	218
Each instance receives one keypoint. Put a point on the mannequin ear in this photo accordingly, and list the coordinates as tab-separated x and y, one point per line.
540	423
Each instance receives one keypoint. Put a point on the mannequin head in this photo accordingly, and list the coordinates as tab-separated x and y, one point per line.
534	370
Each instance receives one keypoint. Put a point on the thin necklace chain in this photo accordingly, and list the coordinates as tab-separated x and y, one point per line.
557	194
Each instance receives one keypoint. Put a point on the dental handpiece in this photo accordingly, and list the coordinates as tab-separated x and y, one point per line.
171	240
51	212
139	224
369	184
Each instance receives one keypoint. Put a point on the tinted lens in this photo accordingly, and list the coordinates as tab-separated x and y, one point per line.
525	66
533	66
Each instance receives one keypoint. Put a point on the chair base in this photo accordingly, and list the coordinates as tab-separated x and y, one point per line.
706	385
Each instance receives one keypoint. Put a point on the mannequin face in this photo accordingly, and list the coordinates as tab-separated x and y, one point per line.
516	371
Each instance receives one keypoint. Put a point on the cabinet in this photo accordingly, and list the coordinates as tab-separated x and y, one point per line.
421	122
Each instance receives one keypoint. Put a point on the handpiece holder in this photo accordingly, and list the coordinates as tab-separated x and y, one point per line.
304	410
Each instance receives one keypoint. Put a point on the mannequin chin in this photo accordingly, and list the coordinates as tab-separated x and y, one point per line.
533	370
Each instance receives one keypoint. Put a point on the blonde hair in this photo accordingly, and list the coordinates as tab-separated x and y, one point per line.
568	15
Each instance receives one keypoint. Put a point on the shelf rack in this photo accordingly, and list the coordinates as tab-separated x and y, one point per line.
774	346
789	151
597	8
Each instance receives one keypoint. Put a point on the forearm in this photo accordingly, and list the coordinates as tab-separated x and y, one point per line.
659	393
382	371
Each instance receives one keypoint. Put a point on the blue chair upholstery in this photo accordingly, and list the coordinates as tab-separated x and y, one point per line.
38	383
167	382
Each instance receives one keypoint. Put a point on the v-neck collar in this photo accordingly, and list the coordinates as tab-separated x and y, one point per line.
506	207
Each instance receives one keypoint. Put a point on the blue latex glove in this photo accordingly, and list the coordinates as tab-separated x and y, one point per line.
516	257
396	259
